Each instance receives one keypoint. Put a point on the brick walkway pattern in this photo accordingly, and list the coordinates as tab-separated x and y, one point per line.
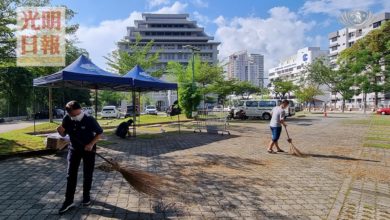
215	176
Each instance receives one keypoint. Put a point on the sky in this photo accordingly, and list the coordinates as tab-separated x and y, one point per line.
276	29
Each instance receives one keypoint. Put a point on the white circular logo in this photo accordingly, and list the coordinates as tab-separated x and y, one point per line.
356	19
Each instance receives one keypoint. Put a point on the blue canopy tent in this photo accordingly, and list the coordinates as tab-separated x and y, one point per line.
82	73
143	82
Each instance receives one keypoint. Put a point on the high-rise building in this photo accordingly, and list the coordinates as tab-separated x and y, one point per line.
246	67
345	38
292	68
170	33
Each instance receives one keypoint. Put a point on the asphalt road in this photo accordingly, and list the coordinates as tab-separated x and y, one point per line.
14	125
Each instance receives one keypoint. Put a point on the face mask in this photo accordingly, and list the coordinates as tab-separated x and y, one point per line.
78	117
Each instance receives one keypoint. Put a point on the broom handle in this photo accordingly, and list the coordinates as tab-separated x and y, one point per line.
285	127
107	160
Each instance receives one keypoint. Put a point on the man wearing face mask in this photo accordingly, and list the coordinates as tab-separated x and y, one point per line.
84	132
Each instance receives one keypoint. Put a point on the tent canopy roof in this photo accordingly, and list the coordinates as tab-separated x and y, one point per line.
82	73
145	82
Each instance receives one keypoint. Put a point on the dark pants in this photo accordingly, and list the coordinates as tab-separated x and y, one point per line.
74	158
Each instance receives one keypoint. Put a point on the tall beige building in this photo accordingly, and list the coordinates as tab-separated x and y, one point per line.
246	67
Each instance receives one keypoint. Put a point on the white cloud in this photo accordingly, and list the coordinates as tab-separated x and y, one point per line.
317	41
175	8
275	37
220	21
202	20
200	3
101	40
333	7
155	3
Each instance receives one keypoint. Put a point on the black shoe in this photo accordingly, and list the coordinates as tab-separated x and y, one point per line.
86	202
65	207
271	151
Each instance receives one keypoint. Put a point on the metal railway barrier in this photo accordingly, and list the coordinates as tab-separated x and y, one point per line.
212	122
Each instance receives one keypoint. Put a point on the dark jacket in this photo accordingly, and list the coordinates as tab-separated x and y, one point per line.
81	132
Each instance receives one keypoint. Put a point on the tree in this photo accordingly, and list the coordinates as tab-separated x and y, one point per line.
223	88
242	88
283	87
306	94
189	95
206	75
340	80
121	61
16	82
369	60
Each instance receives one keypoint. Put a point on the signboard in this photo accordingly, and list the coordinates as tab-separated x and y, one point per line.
40	36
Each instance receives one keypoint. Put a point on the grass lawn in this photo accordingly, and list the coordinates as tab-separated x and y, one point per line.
378	134
19	140
144	119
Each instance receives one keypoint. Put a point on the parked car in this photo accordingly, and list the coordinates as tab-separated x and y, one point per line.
151	110
218	108
227	108
290	111
259	109
110	112
383	111
130	111
57	113
89	110
254	109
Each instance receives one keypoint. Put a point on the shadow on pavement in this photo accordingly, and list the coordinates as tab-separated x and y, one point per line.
165	144
339	157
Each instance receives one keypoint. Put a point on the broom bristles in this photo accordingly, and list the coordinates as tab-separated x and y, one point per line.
142	181
294	151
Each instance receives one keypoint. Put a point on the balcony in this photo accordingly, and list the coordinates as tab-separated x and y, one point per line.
167	29
177	38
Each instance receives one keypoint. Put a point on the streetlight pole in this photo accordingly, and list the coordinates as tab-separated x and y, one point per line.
193	49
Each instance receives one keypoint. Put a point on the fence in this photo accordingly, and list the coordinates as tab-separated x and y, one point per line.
212	122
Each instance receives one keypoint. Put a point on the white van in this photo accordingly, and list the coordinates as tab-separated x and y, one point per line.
261	108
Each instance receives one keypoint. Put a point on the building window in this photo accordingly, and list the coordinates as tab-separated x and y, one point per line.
351	34
333	48
333	39
350	43
359	33
376	24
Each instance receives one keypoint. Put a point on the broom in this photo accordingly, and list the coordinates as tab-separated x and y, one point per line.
293	150
141	181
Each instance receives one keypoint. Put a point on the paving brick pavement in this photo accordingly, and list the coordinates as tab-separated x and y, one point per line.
226	177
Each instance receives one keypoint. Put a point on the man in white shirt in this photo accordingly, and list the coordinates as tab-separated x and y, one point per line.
277	120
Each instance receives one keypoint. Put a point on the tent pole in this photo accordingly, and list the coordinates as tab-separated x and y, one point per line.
63	98
178	116
134	113
96	102
34	107
50	105
139	108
